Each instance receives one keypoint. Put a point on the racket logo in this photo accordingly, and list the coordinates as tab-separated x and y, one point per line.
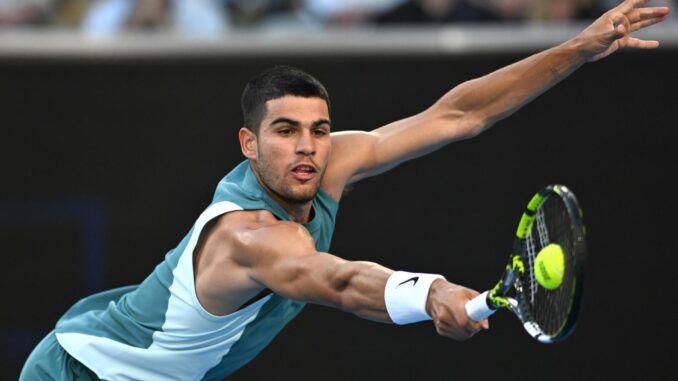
415	279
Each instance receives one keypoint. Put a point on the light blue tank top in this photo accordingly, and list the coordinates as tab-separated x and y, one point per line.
159	331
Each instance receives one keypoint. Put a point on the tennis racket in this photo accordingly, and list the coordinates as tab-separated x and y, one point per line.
553	216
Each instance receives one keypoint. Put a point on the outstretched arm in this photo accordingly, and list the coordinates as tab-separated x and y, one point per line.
474	106
246	252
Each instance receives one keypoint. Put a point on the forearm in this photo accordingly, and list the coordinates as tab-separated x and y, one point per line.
487	99
366	289
282	257
404	298
359	288
464	111
475	105
322	278
374	292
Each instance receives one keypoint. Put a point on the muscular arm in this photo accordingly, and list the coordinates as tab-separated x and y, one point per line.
250	251
282	257
463	112
475	105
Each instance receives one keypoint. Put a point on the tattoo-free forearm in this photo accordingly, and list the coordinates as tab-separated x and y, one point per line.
359	289
499	94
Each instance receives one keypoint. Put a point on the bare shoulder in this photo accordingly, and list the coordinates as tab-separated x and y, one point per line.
256	235
230	251
350	153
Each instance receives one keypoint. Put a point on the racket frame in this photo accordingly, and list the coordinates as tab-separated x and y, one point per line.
498	297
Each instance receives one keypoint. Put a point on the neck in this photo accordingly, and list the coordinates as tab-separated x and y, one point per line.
300	213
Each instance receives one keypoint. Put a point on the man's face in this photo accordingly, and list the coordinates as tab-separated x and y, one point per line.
293	147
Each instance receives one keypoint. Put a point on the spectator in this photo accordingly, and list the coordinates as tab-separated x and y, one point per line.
195	17
290	15
69	13
435	11
24	12
564	10
344	12
507	10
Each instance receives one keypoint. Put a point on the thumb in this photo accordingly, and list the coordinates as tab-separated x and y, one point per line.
619	28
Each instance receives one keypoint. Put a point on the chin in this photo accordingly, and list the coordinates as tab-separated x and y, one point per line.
301	196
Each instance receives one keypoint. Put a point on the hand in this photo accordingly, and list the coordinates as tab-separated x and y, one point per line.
611	31
447	306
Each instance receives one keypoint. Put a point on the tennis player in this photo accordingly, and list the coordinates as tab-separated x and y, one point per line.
258	252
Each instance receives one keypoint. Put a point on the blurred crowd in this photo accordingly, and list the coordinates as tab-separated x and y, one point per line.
204	17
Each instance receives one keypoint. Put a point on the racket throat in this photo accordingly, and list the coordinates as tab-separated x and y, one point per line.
497	298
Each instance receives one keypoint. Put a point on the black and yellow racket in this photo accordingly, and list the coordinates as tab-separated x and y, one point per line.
543	281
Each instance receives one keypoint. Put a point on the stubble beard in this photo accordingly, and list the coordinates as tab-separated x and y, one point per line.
283	190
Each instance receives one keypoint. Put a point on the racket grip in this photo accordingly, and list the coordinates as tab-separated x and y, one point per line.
478	309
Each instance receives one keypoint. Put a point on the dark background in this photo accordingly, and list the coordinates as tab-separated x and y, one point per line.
106	163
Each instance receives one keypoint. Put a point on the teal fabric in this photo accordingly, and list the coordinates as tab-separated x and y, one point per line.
49	362
242	185
278	311
132	314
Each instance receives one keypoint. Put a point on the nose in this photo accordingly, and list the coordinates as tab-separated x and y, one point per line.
305	144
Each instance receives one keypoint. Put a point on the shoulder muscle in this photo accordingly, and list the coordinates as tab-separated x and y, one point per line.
264	239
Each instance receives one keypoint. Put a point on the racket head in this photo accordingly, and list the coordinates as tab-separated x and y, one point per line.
549	315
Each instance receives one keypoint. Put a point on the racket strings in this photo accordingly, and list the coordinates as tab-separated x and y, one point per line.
542	229
531	254
533	249
549	309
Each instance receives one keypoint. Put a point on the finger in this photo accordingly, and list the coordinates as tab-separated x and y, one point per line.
645	23
485	323
480	325
647	13
619	19
641	44
458	334
629	5
474	327
620	31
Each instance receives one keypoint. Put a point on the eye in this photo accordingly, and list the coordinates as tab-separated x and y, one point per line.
319	133
285	131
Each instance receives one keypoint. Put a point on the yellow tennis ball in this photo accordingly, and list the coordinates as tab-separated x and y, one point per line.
549	266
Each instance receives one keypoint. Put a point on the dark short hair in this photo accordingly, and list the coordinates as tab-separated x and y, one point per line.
275	83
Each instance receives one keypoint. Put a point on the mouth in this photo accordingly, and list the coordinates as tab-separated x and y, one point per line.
304	171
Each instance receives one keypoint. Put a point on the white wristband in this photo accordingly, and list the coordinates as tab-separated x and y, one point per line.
406	294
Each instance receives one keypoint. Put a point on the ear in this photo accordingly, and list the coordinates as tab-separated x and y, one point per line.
248	143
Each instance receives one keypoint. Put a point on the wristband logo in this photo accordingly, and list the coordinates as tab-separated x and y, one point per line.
415	279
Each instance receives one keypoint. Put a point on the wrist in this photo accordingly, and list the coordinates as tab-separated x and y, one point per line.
576	47
406	296
433	292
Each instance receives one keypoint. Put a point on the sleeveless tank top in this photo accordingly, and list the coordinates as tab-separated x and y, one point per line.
158	330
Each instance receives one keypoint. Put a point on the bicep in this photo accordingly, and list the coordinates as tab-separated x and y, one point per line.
283	258
357	155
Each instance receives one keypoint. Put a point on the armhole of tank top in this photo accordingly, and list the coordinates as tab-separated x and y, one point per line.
206	218
262	294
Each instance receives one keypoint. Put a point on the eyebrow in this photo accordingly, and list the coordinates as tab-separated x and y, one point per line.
296	123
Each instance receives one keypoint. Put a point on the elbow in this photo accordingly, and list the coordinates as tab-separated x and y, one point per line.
476	124
463	122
